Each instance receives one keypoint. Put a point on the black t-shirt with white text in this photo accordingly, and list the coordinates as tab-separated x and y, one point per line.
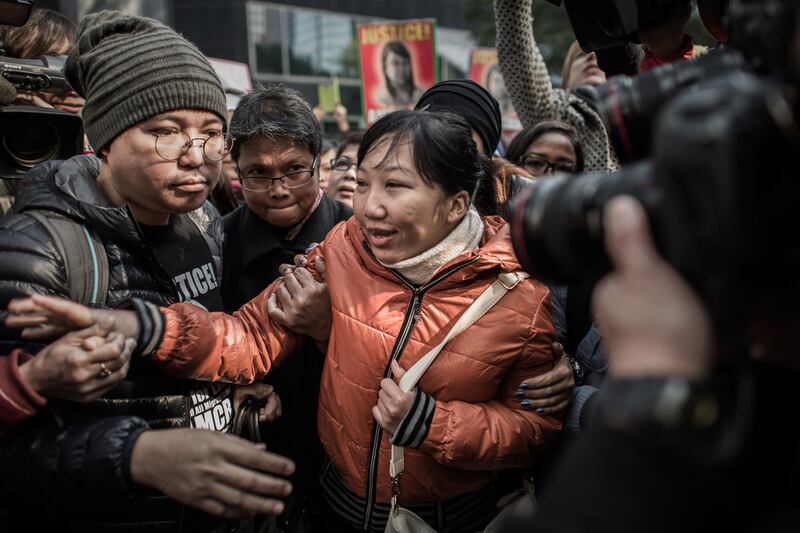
183	253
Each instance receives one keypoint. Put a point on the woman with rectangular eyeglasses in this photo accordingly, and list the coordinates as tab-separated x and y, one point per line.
546	148
343	170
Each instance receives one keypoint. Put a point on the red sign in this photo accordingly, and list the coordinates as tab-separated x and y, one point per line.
483	69
398	64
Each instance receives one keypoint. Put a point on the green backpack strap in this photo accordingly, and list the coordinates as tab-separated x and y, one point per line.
84	255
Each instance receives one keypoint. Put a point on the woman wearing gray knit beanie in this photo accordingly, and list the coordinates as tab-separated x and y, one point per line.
155	113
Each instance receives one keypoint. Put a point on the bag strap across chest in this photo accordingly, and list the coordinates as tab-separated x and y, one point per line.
482	304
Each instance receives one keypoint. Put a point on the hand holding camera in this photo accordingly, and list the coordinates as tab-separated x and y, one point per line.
653	324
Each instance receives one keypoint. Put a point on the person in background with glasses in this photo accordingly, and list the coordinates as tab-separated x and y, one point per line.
326	163
277	145
546	148
542	150
343	174
156	114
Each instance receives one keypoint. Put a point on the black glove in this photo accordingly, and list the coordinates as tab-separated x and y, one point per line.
619	60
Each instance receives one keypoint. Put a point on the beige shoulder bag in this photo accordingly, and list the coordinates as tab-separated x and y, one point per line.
402	520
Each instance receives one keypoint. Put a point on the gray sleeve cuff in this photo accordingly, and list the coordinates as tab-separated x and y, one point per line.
417	422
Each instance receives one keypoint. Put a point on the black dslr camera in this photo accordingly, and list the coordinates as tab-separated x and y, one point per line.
32	135
720	188
45	74
602	24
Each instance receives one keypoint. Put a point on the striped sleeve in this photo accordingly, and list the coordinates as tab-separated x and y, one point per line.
151	325
414	427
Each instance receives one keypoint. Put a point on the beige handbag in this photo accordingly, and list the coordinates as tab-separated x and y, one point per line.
401	520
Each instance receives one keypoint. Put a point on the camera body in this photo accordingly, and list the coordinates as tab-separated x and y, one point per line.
31	135
602	24
758	32
719	186
15	12
44	74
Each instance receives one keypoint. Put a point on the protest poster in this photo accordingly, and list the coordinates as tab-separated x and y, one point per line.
235	77
398	64
329	94
484	70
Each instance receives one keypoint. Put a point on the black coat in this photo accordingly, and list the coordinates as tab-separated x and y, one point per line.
70	457
253	252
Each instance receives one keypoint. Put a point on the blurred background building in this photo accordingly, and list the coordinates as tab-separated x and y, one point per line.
305	43
301	43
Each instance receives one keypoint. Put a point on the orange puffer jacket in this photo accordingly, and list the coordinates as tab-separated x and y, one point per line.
478	426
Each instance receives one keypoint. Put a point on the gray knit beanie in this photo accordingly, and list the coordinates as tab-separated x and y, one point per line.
130	69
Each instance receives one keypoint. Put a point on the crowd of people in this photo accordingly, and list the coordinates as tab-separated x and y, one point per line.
218	320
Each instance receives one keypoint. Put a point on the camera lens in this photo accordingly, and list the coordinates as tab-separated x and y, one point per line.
29	141
630	106
557	223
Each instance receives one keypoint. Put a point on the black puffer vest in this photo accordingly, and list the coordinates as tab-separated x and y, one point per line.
31	263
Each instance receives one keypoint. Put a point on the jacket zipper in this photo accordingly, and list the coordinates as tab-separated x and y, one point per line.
411	317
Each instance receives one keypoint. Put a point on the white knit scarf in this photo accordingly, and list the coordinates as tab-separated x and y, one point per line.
465	237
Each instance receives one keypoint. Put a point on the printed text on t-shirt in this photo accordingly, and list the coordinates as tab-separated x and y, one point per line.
196	282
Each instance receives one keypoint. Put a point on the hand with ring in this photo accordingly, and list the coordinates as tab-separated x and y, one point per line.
104	371
82	365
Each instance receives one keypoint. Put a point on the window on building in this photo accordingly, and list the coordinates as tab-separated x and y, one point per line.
266	32
320	44
302	42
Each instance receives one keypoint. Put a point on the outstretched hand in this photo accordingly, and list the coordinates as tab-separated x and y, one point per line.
219	474
45	317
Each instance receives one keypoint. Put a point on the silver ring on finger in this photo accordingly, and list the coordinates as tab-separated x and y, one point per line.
104	371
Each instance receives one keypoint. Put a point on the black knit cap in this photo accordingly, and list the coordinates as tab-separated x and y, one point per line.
470	101
131	69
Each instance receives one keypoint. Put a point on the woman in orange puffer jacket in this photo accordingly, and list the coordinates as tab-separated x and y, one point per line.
400	273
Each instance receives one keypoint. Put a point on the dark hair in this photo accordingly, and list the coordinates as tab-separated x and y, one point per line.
277	113
354	137
441	145
328	144
398	48
44	30
516	150
222	196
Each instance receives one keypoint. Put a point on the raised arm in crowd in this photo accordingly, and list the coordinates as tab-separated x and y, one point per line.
535	99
